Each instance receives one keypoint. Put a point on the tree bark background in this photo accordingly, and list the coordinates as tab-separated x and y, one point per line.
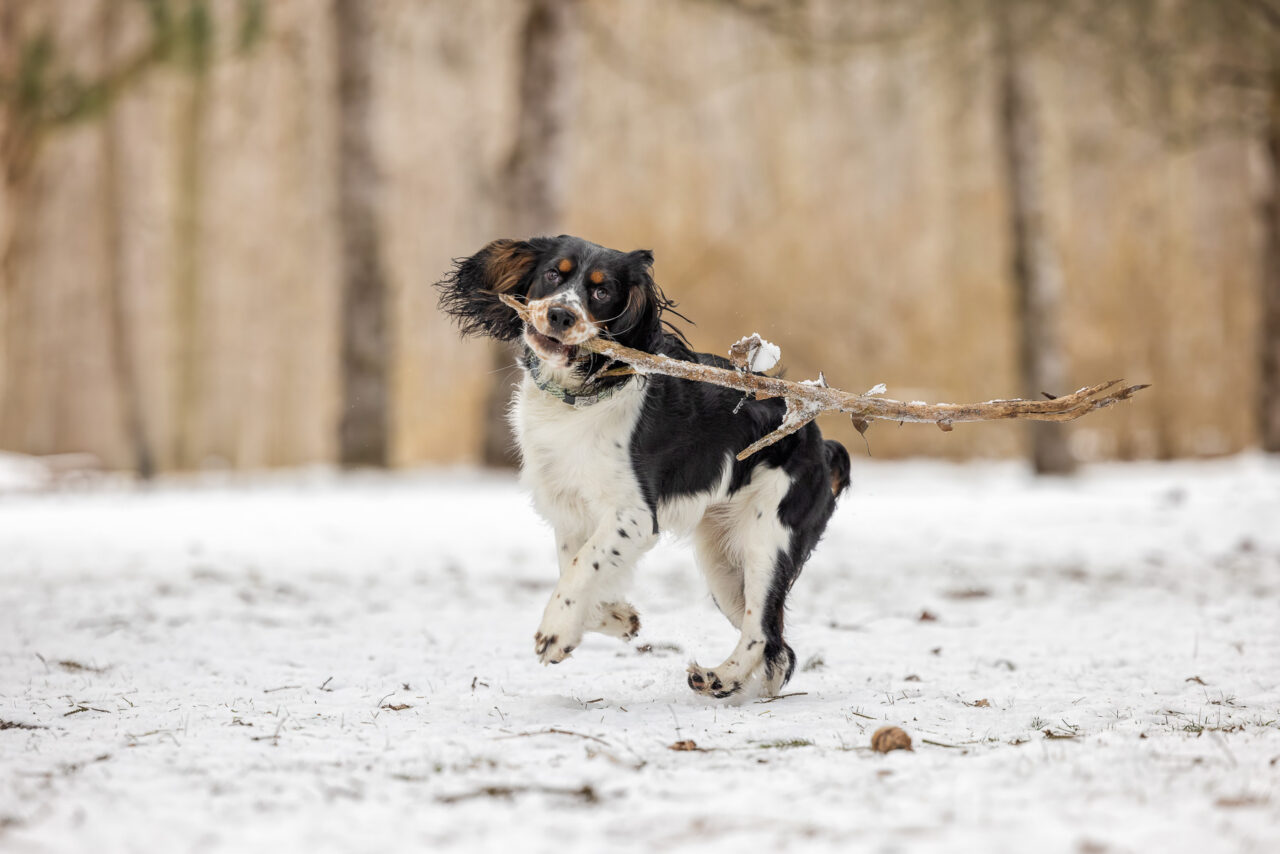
189	293
1269	337
16	196
856	212
364	431
1035	267
535	177
118	314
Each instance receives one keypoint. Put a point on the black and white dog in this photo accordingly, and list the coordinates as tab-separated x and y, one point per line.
613	461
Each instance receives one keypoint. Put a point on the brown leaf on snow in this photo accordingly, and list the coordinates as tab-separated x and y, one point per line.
984	703
687	744
890	738
396	707
927	617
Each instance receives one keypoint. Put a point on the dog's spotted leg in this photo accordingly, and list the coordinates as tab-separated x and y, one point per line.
586	595
617	618
733	674
750	535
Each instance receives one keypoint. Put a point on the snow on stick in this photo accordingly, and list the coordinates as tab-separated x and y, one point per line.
807	400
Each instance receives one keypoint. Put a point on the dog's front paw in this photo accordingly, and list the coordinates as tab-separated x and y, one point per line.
549	649
707	683
556	640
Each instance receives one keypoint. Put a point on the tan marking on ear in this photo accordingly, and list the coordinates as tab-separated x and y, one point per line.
508	264
565	265
597	276
636	299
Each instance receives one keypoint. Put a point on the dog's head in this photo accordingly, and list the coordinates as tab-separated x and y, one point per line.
575	291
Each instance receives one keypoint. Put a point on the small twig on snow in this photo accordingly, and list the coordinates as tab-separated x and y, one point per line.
585	793
557	732
783	697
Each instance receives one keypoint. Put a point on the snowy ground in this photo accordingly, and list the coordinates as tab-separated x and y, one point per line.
302	663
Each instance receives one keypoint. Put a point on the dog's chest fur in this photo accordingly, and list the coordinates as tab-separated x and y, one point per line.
577	461
577	456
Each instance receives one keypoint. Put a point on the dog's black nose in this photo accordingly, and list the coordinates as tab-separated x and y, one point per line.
560	318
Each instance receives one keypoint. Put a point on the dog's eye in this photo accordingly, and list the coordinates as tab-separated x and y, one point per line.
600	294
552	276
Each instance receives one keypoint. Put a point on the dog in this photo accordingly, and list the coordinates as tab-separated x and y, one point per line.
612	461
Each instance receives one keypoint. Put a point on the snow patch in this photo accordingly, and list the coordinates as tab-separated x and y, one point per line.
314	663
766	357
22	473
761	354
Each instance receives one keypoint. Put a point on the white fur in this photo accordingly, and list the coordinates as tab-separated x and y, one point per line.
577	468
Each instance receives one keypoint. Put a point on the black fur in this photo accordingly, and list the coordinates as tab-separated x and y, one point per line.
687	430
469	292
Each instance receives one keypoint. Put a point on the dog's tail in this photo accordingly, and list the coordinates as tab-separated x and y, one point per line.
837	466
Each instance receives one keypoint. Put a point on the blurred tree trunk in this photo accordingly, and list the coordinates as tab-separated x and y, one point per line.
20	201
364	429
535	176
1269	390
119	337
1037	273
8	54
188	250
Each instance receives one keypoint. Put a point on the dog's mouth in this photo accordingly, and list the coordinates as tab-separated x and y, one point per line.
548	348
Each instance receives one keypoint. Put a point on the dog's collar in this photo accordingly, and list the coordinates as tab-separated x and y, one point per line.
589	395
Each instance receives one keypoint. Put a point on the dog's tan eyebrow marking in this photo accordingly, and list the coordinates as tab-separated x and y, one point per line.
597	276
565	265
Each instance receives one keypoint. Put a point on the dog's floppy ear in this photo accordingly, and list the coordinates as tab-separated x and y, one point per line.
640	324
469	293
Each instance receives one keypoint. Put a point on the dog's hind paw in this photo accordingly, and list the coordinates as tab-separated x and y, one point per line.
707	683
617	619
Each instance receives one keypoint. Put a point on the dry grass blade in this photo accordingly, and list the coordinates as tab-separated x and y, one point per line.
805	401
942	744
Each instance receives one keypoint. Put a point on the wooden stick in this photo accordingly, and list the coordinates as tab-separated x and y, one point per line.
806	400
